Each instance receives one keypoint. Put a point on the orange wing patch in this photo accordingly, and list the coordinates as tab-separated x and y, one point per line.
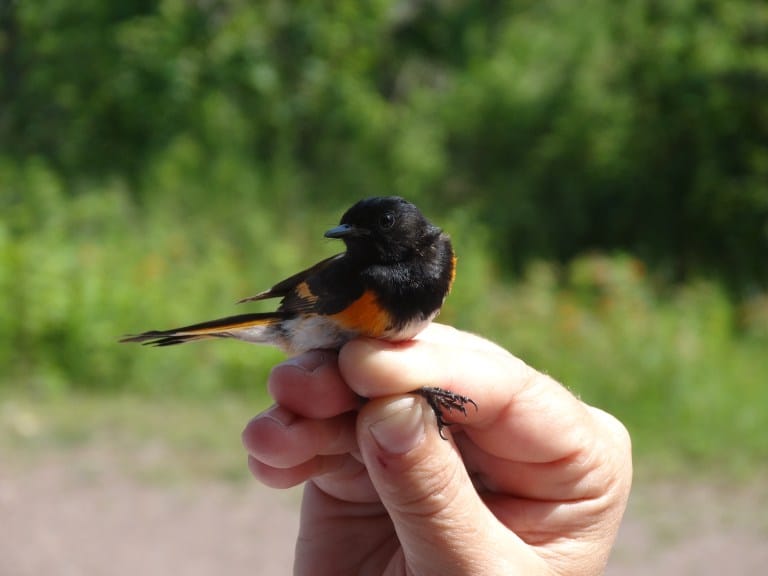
303	291
365	316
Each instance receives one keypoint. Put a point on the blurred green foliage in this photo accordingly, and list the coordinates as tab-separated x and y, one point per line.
638	125
602	167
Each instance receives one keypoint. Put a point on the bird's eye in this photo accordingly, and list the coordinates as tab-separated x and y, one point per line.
386	221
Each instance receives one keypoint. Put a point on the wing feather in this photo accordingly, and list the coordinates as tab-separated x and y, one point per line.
290	284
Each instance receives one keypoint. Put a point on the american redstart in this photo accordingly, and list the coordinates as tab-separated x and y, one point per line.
389	283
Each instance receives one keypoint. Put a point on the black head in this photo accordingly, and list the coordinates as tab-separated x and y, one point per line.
385	229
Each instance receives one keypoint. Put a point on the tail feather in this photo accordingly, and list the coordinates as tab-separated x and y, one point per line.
228	327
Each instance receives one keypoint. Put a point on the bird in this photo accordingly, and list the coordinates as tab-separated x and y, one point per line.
389	283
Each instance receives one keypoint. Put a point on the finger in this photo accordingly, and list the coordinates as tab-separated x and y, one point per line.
348	483
604	458
439	518
341	477
522	414
288	477
281	439
310	385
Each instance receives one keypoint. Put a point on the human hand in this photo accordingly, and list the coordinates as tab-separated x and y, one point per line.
533	482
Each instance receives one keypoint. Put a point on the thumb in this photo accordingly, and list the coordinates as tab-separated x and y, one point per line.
441	523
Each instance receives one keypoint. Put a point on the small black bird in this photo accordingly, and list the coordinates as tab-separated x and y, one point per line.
389	284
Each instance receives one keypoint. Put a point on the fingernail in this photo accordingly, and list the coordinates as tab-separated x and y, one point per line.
280	415
401	428
309	361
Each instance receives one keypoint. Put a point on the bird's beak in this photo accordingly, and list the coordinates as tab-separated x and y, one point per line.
342	231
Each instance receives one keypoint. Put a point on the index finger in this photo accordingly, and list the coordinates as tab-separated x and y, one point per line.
522	414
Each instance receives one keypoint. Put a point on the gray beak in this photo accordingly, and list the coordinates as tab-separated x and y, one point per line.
341	231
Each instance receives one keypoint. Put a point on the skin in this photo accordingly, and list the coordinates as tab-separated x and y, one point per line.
533	482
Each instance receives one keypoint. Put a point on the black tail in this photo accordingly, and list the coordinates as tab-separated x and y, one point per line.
220	328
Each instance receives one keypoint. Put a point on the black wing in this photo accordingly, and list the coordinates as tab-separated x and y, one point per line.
290	285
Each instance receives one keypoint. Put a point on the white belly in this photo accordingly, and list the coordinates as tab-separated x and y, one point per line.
297	335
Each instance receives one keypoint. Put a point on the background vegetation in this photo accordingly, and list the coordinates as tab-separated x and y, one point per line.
602	167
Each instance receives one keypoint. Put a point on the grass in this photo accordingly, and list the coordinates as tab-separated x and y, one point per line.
685	367
155	439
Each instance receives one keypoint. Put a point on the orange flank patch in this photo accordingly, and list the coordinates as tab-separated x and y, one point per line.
453	272
365	316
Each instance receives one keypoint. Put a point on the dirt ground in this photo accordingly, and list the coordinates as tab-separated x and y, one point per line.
59	518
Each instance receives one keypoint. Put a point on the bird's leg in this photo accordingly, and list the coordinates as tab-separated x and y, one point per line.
440	399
